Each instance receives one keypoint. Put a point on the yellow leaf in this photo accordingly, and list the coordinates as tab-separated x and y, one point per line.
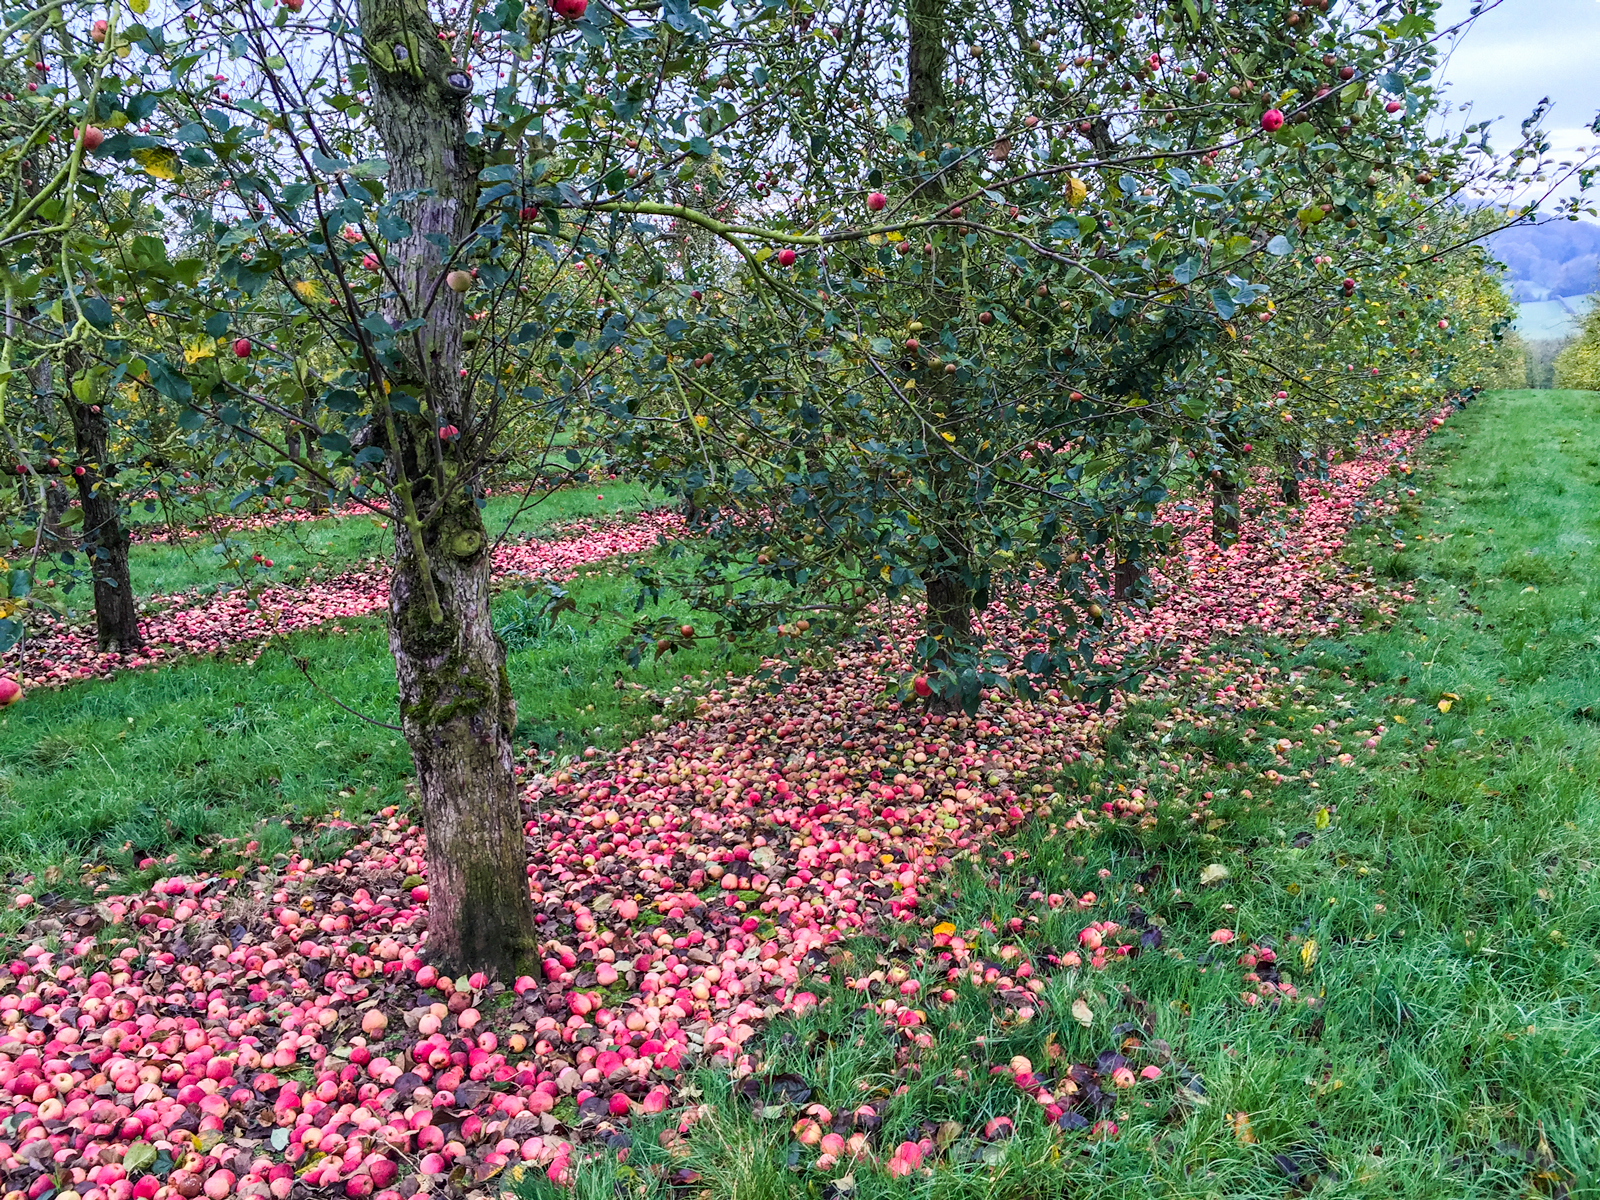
1241	1129
1081	1013
139	7
157	160
1076	191
1444	706
1215	873
309	291
1308	953
944	927
949	437
1322	818
198	348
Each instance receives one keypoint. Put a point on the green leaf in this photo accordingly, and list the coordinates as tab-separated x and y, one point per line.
167	379
323	163
138	1158
98	312
1279	246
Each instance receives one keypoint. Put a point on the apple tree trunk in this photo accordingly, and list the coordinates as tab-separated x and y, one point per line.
456	707
1225	510
105	538
947	575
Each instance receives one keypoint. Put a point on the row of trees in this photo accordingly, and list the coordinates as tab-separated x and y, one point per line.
905	300
1578	364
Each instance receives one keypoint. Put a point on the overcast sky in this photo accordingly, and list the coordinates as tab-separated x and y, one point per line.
1522	51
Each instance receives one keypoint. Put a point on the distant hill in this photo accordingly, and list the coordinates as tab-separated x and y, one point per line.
1553	319
1553	272
1559	258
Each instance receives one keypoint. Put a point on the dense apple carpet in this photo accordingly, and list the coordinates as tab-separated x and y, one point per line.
250	1029
58	653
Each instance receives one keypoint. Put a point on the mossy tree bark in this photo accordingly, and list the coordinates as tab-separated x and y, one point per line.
456	707
947	572
105	539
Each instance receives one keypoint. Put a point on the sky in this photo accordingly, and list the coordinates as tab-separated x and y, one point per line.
1524	50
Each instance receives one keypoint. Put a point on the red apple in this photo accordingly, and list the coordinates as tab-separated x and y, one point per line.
570	9
920	686
293	5
10	691
97	31
448	433
1272	120
877	201
786	257
242	348
1393	106
91	137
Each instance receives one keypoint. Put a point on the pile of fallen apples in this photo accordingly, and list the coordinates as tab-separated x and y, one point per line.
269	1029
56	653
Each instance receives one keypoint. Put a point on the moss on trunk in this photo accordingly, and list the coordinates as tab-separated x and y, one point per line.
456	707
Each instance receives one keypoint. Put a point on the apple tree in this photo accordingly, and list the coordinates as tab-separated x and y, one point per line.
992	283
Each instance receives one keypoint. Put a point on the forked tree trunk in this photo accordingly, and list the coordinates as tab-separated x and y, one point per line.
456	707
1225	510
302	450
105	540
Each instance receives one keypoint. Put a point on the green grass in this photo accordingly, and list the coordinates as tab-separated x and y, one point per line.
297	548
1449	883
167	761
